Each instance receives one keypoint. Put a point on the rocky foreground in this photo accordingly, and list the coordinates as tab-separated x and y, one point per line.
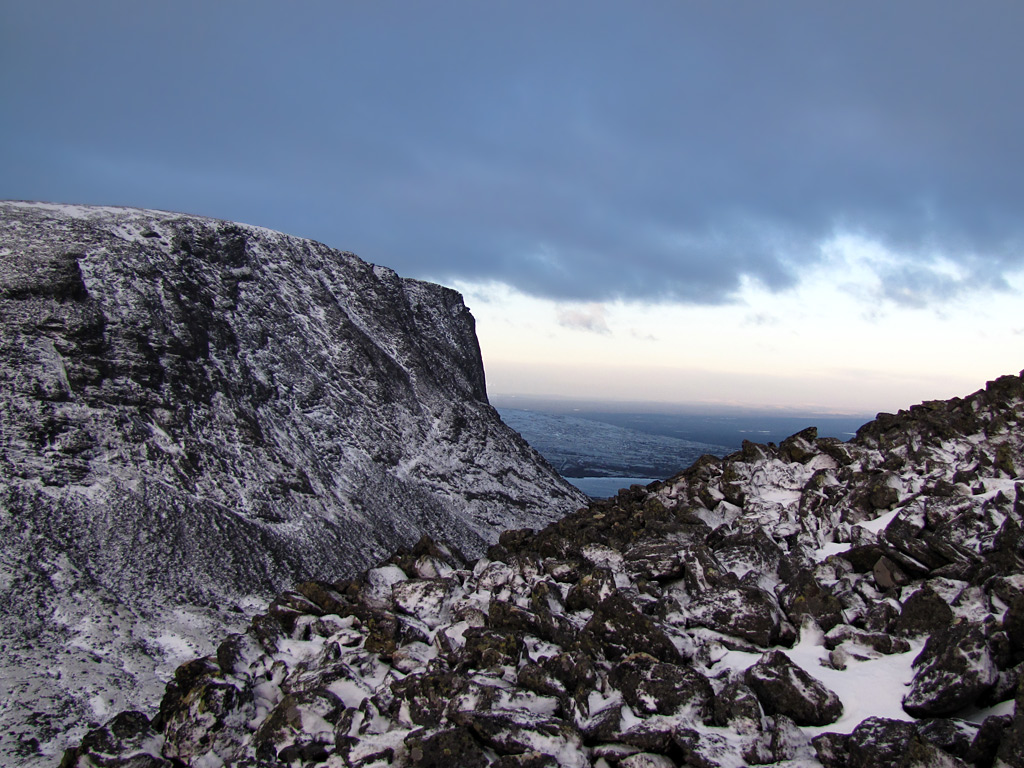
811	603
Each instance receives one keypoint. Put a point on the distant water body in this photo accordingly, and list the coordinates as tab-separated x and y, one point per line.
586	446
603	487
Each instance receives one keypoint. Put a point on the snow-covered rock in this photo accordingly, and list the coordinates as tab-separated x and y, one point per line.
605	639
195	414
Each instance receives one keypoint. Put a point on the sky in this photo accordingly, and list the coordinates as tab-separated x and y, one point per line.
796	205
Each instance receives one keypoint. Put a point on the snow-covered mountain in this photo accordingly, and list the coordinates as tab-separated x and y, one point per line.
195	414
815	603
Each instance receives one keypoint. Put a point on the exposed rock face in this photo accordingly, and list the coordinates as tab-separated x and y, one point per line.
604	638
193	412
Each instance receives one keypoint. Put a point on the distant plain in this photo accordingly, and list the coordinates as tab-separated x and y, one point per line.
600	447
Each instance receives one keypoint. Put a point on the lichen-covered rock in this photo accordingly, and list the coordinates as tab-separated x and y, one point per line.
128	740
745	611
513	733
621	629
954	670
445	749
804	597
651	687
784	688
924	612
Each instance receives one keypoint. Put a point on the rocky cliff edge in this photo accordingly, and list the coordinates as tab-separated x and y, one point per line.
195	414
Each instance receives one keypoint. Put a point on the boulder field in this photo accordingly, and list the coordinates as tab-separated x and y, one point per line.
816	602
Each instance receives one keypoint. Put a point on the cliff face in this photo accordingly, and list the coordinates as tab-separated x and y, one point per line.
812	603
194	411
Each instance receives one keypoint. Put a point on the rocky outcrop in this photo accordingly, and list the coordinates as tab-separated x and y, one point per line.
195	415
604	639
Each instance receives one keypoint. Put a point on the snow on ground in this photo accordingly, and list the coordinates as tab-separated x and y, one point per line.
871	688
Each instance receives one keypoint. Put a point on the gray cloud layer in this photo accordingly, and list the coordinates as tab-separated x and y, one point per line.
582	151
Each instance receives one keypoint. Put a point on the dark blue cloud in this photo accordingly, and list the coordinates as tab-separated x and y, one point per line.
574	150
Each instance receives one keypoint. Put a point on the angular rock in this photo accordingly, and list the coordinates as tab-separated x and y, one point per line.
654	688
656	734
547	685
882	642
888	574
534	678
924	612
707	748
128	738
804	596
783	688
923	754
952	736
879	741
197	723
527	760
745	550
289	724
513	733
743	611
574	670
703	570
656	560
787	740
954	670
986	742
489	647
445	749
832	749
591	590
197	412
426	599
621	629
428	695
1011	745
647	760
737	707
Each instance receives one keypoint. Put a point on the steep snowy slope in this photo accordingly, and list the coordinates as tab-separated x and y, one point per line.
193	412
815	603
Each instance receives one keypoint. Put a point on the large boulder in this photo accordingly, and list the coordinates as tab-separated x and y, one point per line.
954	670
744	610
651	687
783	688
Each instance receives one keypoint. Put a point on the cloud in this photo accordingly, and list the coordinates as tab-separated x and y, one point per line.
591	318
922	285
760	320
671	154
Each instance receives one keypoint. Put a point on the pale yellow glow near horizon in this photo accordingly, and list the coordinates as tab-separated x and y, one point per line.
831	344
